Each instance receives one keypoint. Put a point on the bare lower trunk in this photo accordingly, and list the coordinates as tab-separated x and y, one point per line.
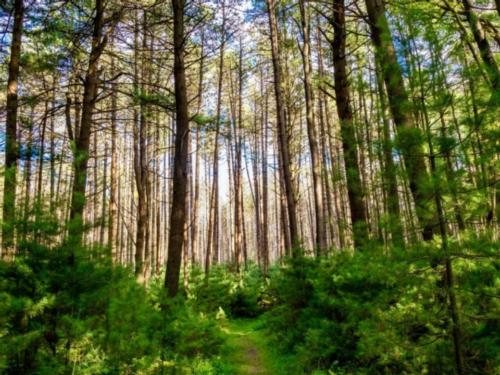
113	197
83	131
196	182
11	144
312	133
237	168
179	183
347	130
213	240
281	125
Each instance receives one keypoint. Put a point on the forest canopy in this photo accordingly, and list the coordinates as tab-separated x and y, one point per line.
249	187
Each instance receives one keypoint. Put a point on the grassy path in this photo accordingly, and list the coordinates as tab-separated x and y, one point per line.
248	349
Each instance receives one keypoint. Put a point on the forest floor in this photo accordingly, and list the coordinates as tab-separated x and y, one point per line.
248	348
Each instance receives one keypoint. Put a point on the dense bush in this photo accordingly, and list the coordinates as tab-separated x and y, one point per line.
63	311
373	312
237	295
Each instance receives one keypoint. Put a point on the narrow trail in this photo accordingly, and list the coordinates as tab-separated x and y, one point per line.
247	347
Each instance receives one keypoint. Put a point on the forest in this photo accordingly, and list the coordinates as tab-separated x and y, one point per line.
273	187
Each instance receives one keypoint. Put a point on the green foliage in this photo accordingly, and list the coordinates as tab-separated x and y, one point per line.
238	295
374	311
377	313
69	310
157	99
202	120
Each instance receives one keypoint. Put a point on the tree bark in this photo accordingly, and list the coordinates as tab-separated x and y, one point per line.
142	178
409	137
281	125
265	189
347	131
82	133
196	183
11	143
213	230
113	197
179	183
312	133
237	168
390	171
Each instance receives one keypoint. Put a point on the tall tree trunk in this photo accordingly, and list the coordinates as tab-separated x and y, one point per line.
41	157
323	120
52	177
196	182
179	183
281	125
347	131
244	230
113	195
27	157
312	133
265	189
409	137
213	230
103	195
142	178
448	277
389	172
82	133
255	175
158	199
237	168
11	144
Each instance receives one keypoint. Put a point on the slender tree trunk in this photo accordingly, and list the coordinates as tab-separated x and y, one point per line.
94	211
265	189
28	156
52	177
323	120
244	230
82	133
237	168
142	174
196	183
213	232
347	130
41	157
158	196
178	213
446	149
281	125
409	137
113	197
103	194
257	198
139	161
389	172
312	133
448	272
11	143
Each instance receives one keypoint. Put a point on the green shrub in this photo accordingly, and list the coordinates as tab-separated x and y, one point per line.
372	312
238	295
64	310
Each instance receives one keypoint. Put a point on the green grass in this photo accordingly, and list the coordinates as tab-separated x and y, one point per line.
248	349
